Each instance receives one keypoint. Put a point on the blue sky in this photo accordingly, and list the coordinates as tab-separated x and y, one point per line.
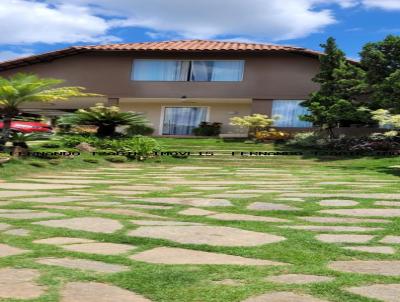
44	25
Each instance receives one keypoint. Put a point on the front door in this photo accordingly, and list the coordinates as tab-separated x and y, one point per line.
182	120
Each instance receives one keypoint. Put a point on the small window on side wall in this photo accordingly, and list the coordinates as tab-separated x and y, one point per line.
289	112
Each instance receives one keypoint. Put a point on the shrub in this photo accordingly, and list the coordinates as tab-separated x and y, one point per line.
254	122
50	145
208	129
106	119
91	160
139	130
116	158
308	140
272	134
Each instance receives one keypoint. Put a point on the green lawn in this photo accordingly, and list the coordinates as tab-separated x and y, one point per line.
303	253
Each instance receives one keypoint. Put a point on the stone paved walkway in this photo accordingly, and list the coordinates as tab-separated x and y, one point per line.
134	233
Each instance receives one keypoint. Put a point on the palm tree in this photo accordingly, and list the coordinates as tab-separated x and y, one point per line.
107	119
22	88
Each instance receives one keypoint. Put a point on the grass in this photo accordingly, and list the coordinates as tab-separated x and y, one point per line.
191	283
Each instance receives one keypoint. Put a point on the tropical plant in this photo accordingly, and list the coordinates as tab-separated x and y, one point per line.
139	130
107	119
254	122
337	101
22	88
20	139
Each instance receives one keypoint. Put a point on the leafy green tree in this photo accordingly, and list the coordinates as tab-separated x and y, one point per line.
381	60
23	88
107	119
341	83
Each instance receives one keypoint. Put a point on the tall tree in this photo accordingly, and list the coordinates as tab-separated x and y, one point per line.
381	60
22	88
337	101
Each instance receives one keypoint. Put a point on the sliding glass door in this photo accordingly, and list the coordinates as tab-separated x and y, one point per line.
182	120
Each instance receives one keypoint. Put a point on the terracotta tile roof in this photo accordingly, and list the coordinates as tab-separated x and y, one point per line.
167	46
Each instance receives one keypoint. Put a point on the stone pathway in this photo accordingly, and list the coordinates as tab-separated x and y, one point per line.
149	221
96	266
167	255
97	292
19	284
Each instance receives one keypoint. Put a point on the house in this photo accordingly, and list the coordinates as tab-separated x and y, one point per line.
178	84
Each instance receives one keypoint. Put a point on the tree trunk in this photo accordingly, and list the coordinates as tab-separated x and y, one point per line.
5	133
331	133
104	131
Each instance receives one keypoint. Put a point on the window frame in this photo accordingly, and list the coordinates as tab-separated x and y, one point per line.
190	70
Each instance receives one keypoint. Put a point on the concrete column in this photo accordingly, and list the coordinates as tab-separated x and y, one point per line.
262	106
112	101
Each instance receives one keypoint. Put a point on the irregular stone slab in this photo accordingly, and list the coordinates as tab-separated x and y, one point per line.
232	195
268	206
298	279
17	232
290	199
344	238
338	203
89	224
342	220
55	199
331	228
67	177
196	202
83	264
75	181
381	292
101	248
391	239
98	292
17	214
195	212
155	222
145	206
62	240
23	193
19	284
184	194
364	212
122	193
32	186
193	168
4	226
244	191
372	249
387	203
126	212
56	207
7	250
212	235
372	267
100	203
283	297
244	217
344	194
141	188
168	255
209	188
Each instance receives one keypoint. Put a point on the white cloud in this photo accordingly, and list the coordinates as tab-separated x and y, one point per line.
383	4
23	21
272	20
6	55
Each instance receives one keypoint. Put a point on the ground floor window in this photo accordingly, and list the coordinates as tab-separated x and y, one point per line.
289	112
182	120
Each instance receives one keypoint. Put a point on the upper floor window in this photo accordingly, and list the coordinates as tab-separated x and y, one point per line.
195	71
